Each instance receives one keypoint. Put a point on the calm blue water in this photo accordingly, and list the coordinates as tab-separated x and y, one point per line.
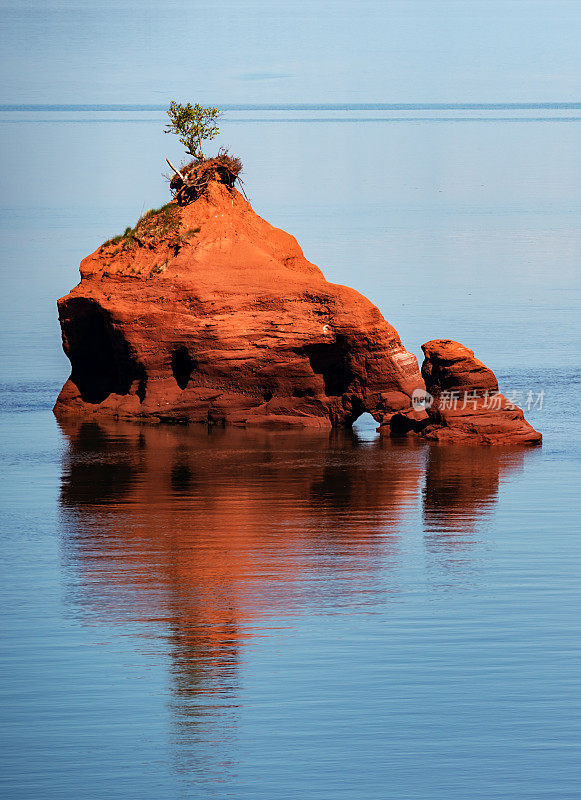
257	615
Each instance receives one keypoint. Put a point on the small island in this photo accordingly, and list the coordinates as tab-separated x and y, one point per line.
203	312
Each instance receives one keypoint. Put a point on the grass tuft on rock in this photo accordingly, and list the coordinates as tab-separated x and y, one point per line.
155	227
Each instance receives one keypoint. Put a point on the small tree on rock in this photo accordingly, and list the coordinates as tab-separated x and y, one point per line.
193	124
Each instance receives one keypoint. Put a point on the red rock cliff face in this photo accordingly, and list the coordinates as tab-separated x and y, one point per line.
221	319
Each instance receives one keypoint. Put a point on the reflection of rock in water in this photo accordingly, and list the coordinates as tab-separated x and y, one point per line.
203	534
98	474
460	492
204	537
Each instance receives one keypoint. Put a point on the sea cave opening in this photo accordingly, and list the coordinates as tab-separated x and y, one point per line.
101	362
331	361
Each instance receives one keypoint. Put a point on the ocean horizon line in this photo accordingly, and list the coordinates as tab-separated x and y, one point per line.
63	107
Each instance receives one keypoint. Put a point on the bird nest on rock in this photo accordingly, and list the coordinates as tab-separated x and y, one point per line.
192	180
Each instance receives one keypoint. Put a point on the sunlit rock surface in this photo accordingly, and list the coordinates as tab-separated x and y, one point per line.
207	313
467	406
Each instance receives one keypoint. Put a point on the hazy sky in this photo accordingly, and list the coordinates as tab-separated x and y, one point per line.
261	51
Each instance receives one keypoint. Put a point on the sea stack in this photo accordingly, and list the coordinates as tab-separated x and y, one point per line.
206	313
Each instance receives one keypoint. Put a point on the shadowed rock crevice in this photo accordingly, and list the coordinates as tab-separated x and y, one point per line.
182	366
142	387
331	362
101	359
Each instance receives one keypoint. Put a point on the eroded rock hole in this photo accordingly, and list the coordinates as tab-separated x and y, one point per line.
365	424
182	366
331	361
101	360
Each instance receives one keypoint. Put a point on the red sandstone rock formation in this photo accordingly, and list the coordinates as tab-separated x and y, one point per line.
467	406
206	313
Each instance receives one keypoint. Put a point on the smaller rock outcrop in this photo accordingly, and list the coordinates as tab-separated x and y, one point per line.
463	402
